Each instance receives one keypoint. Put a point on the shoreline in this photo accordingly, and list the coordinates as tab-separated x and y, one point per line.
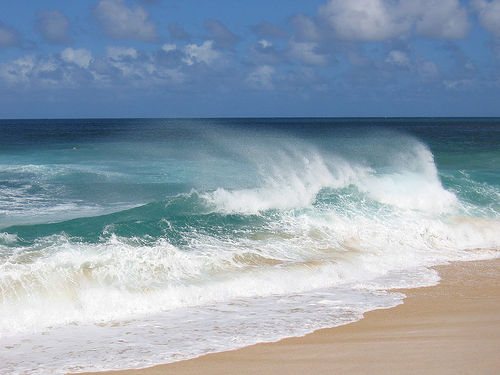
450	328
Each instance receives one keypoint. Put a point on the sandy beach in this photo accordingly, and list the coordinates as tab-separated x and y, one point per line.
451	328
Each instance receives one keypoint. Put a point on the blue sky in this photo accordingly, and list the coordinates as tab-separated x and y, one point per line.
166	58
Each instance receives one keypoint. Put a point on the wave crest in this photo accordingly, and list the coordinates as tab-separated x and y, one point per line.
406	178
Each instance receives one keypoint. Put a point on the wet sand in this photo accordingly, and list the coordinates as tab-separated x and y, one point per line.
451	328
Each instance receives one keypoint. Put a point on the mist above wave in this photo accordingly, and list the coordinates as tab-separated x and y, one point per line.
395	169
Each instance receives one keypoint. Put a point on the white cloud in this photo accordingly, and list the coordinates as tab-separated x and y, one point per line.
457	84
127	66
306	53
142	73
425	69
264	43
169	47
80	57
489	15
8	36
442	19
368	20
122	59
203	53
121	22
17	71
53	26
399	58
28	71
261	78
377	20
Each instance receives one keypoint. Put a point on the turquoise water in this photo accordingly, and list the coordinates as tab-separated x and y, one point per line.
109	226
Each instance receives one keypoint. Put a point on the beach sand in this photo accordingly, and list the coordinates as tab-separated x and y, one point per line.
452	328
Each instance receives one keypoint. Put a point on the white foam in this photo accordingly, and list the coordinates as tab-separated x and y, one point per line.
59	281
293	179
185	333
414	185
7	238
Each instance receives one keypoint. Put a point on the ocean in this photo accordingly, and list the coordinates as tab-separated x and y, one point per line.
131	242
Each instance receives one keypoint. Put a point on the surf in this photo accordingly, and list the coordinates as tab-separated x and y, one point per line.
295	223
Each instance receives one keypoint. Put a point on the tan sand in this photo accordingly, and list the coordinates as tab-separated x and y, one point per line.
452	328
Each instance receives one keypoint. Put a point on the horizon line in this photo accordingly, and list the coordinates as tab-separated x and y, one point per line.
246	117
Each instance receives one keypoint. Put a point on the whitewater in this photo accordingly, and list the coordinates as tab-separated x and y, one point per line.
127	243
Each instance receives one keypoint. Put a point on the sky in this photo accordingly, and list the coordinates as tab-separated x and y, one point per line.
227	58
